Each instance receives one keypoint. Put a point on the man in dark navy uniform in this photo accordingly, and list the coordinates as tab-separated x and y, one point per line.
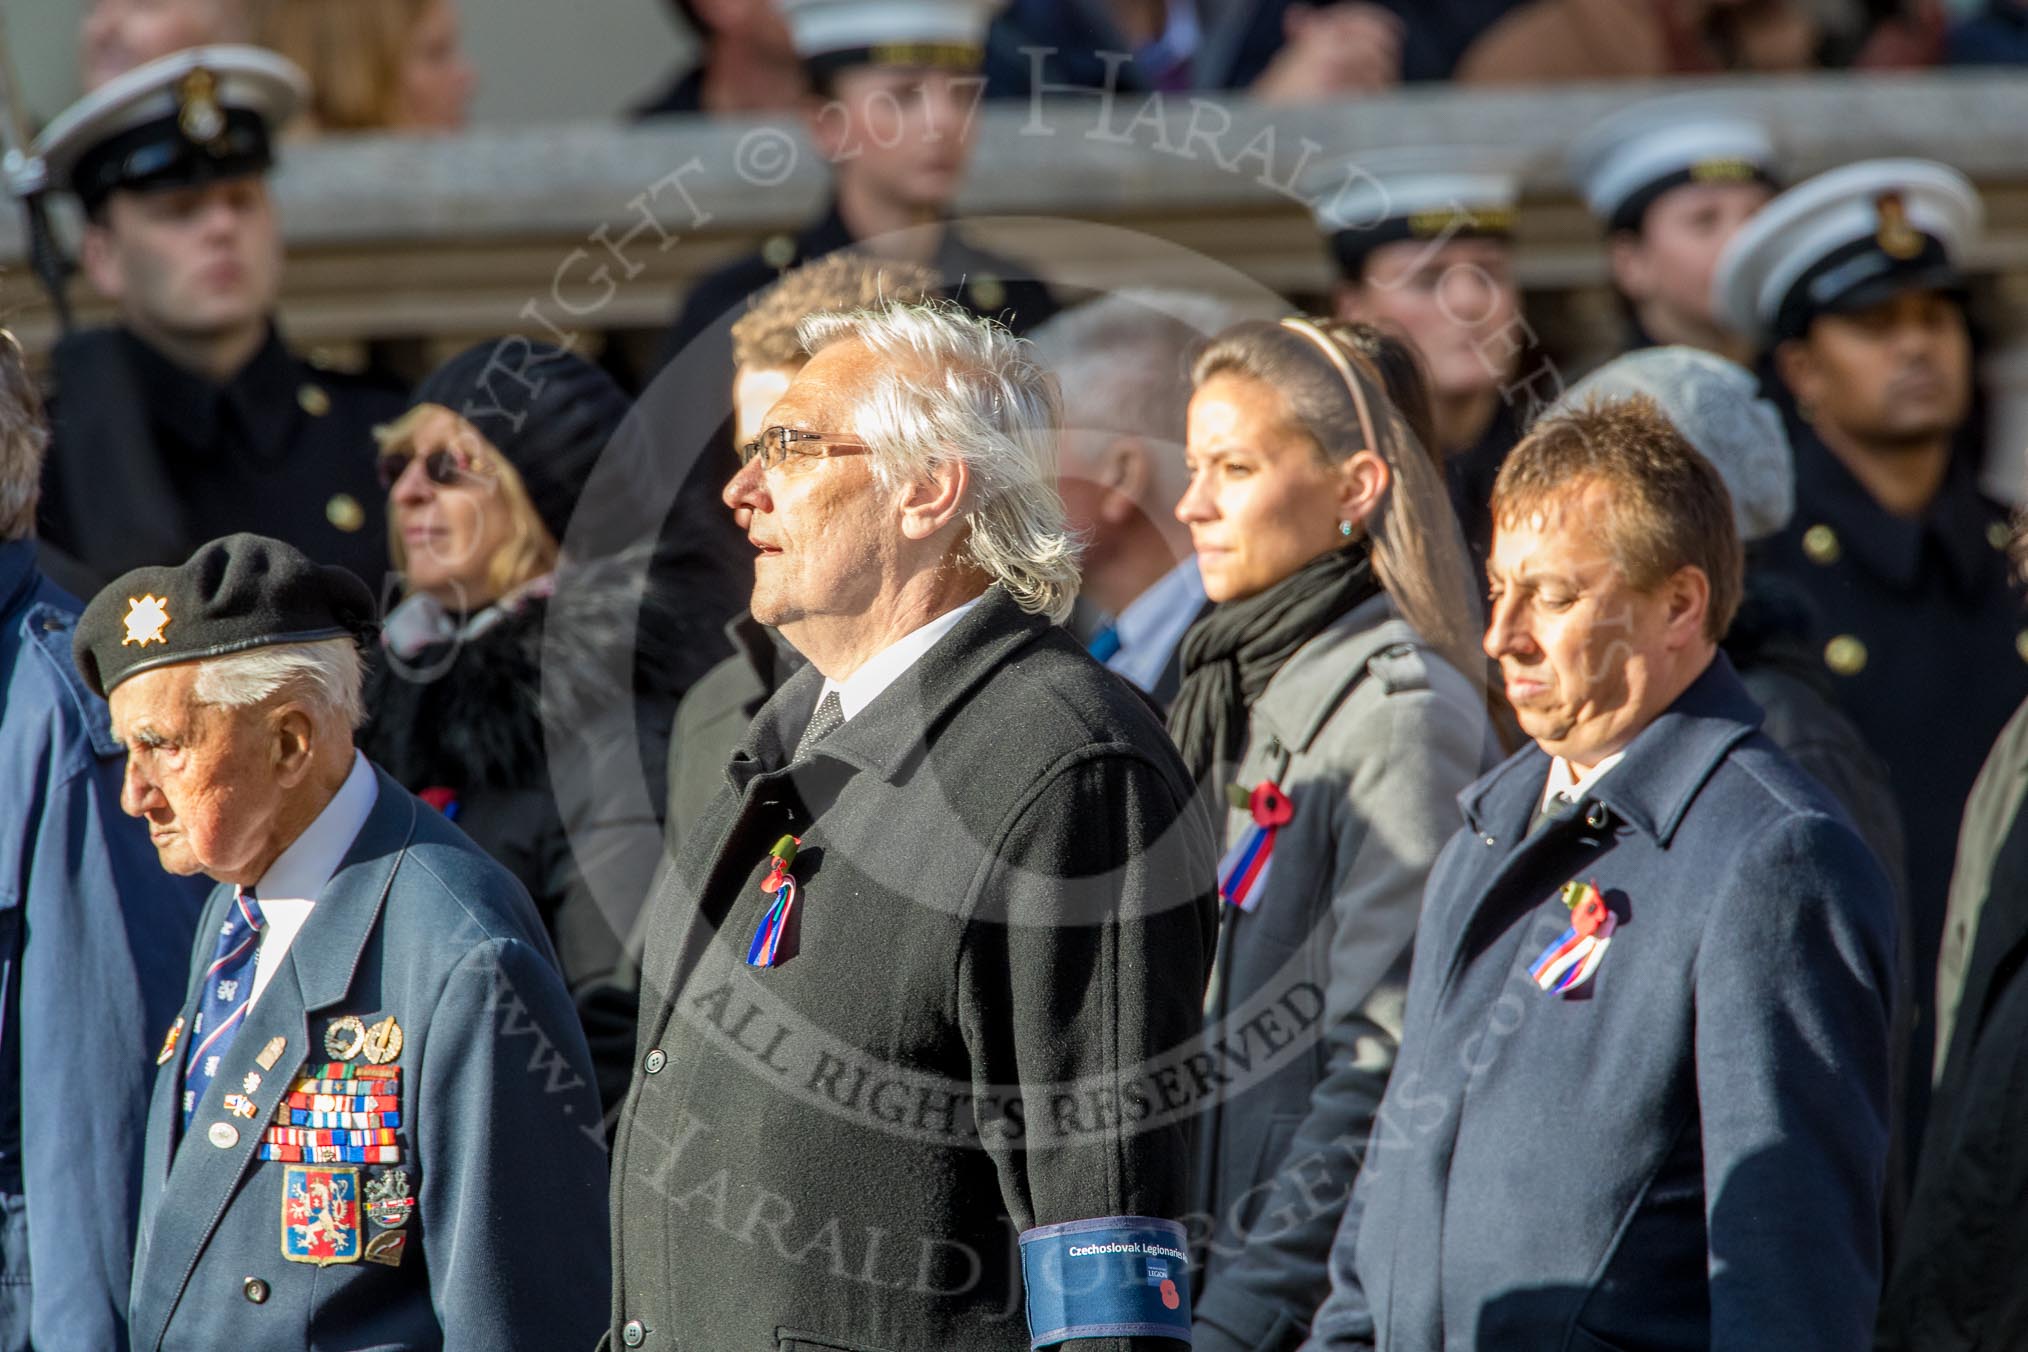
1849	283
1672	180
190	419
895	88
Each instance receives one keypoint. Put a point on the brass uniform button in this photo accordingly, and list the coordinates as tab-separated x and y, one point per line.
988	292
2021	644
779	251
344	512
1998	534
256	1290
1845	655
1820	545
313	400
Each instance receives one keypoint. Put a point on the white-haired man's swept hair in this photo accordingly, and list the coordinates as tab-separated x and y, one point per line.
957	386
329	675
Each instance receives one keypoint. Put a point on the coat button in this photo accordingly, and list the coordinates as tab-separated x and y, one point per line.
313	401
1820	545
1845	655
778	252
256	1290
633	1333
988	291
656	1060
1999	535
344	512
2021	644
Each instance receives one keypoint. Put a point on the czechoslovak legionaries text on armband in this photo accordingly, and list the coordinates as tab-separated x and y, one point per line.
1111	1277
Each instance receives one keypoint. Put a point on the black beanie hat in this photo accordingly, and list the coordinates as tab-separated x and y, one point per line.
548	411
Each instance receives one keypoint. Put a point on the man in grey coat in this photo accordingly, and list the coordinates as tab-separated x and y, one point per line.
1642	1095
907	985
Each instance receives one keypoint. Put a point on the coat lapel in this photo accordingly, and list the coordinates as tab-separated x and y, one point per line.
1666	766
162	1104
884	739
203	1177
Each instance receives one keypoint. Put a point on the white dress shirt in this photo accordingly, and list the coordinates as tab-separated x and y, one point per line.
1567	784
289	888
888	665
1153	623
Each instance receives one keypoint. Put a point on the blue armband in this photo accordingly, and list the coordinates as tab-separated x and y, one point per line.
1113	1277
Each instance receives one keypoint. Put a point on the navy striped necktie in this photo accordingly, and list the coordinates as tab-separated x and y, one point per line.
228	987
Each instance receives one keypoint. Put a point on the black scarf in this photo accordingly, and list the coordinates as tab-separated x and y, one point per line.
1231	654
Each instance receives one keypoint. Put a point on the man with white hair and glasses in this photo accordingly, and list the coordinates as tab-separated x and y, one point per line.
376	1060
909	984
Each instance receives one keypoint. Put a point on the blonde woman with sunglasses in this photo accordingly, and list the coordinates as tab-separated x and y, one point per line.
526	674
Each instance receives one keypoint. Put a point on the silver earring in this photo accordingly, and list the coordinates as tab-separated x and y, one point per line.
1345	528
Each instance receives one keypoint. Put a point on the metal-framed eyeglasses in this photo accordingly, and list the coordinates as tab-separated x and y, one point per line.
776	445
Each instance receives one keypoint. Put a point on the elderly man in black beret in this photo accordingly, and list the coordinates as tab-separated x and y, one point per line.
375	1052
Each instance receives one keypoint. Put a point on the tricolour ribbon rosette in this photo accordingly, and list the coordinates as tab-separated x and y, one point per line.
1243	873
766	949
1570	961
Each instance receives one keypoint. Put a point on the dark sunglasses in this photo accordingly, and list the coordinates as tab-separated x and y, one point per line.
442	467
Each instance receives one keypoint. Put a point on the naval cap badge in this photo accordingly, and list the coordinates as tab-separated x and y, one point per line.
198	113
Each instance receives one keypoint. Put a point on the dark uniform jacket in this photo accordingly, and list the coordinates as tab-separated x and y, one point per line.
1372	735
1923	634
93	938
1956	1284
1004	915
983	282
148	461
1688	1151
499	1130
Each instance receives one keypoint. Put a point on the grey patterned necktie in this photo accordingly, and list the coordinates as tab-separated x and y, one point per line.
1559	808
830	716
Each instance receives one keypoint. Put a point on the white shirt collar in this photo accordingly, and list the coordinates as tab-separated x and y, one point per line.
1153	623
887	666
1566	783
301	871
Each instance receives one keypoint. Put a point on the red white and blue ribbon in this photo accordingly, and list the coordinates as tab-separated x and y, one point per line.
1570	961
766	949
1243	873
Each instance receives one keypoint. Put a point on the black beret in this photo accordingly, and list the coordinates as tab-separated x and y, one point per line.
549	412
241	592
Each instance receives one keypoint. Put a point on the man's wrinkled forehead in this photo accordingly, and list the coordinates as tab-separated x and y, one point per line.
828	388
161	701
